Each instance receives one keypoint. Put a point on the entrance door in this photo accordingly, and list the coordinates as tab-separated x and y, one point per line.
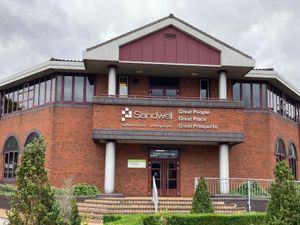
164	166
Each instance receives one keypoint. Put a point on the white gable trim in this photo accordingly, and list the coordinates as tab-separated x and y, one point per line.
109	51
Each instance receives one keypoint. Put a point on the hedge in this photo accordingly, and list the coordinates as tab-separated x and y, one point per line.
188	219
123	220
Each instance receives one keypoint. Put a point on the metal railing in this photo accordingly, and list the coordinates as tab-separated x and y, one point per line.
237	186
249	188
167	97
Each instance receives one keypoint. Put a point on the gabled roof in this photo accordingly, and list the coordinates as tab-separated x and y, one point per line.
109	50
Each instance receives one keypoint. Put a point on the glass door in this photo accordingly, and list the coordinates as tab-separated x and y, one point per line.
164	166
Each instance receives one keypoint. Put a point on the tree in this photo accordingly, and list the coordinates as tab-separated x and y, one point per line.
67	202
201	201
284	204
34	202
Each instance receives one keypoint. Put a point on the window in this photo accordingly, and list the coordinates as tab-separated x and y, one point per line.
11	151
293	160
90	83
236	91
42	93
204	88
68	88
123	85
280	150
164	86
31	137
256	95
59	88
79	89
246	94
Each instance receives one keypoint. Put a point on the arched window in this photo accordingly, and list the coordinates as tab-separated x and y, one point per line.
11	152
31	137
280	150
293	160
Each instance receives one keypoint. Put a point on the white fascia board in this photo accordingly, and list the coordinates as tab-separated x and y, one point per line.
55	65
110	51
269	75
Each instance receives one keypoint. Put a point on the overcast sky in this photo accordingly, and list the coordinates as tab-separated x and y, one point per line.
33	31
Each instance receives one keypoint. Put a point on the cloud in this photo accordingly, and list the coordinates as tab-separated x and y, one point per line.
32	31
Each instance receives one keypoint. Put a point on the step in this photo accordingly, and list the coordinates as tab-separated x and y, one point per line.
99	206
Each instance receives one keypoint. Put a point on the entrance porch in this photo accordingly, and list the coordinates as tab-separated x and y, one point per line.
129	170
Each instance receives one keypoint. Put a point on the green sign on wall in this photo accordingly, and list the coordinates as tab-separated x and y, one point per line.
136	163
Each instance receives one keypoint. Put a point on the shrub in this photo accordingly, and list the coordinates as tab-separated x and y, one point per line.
209	219
201	201
33	202
85	190
284	205
7	190
255	190
67	203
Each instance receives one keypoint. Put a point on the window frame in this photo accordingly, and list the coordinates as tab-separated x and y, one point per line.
8	152
164	88
293	160
280	156
34	86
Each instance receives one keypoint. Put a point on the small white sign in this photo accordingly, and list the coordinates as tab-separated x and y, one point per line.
136	163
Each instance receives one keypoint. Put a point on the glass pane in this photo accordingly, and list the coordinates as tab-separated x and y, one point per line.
171	92
42	93
204	88
78	92
10	102
155	173
53	90
30	103
236	92
172	165
48	91
68	88
172	174
15	106
90	89
172	184
36	95
59	86
246	94
256	95
11	144
123	85
264	96
157	92
155	165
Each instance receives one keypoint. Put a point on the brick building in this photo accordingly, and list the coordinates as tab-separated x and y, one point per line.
165	100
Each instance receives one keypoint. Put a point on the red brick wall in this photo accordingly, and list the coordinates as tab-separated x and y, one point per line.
197	161
70	149
131	181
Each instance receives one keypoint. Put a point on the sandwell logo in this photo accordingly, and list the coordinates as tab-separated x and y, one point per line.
126	114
